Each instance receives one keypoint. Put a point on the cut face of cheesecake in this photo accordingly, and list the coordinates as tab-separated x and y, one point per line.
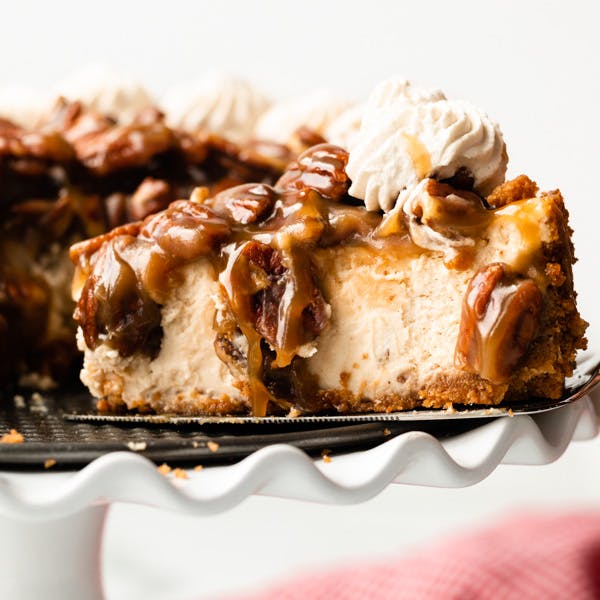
293	298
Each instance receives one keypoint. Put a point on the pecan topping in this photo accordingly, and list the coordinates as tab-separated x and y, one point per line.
441	218
246	203
270	275
321	168
308	137
115	208
104	146
185	230
114	306
41	145
500	317
151	196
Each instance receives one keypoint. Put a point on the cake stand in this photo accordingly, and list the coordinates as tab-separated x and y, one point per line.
52	522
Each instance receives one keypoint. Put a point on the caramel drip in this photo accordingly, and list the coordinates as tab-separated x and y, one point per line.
499	320
527	217
295	299
419	155
491	333
237	284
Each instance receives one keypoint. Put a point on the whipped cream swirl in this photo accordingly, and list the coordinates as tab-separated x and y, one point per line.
407	135
107	91
218	103
343	130
315	111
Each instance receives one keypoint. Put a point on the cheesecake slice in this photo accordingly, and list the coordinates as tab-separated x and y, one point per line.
295	298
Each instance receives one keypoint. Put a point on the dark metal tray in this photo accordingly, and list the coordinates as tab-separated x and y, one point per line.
64	426
74	443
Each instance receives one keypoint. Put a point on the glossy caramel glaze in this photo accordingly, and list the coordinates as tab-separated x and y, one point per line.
500	318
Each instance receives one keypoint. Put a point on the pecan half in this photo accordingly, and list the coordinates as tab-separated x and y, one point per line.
247	203
442	218
18	143
185	230
321	168
104	146
500	317
115	307
274	293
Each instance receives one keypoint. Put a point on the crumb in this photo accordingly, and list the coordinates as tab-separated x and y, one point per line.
49	462
164	469
137	446
325	454
387	431
294	413
19	401
35	380
195	444
519	188
199	194
510	412
555	274
38	404
212	446
180	473
12	437
198	468
449	407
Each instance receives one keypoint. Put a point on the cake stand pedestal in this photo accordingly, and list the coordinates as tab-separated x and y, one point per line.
52	523
53	559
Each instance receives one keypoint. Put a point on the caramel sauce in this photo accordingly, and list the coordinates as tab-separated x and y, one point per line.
261	241
419	155
236	280
526	216
500	317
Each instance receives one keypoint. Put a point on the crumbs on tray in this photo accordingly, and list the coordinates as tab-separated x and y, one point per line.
180	473
164	469
12	437
212	446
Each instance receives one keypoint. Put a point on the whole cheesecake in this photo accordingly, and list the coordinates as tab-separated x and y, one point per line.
326	256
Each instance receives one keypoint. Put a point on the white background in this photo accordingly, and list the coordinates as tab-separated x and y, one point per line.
534	66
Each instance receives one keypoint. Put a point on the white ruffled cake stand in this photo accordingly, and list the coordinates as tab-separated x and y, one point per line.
52	523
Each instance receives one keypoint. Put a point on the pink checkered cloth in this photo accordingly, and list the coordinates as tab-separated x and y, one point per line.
526	558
